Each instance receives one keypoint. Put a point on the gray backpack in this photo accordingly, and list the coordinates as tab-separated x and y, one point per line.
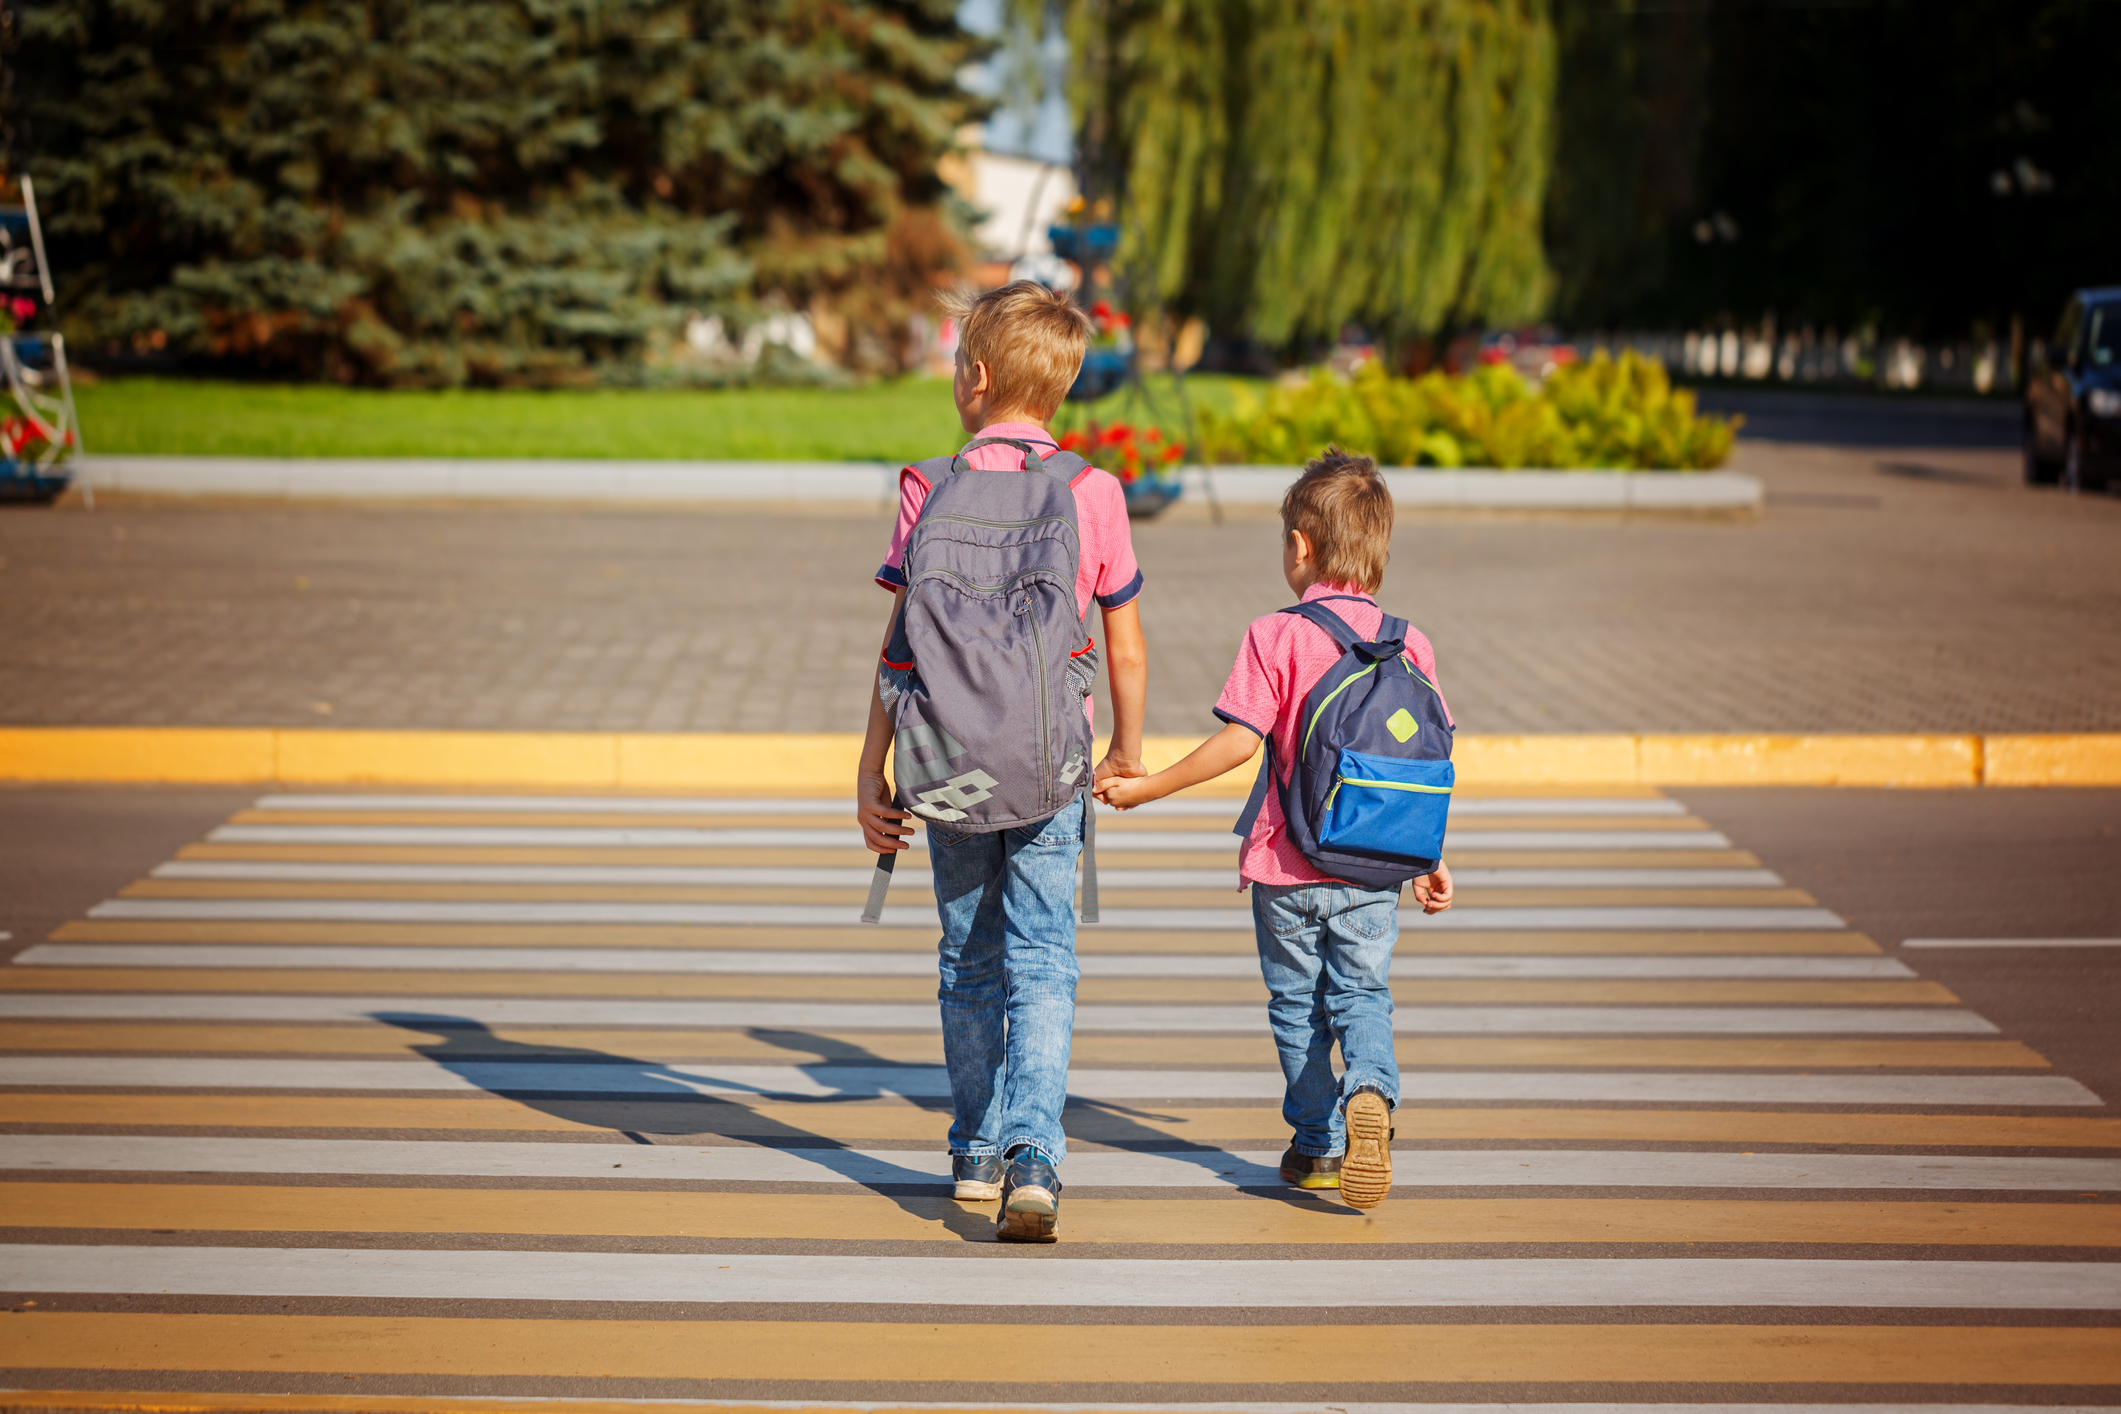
987	667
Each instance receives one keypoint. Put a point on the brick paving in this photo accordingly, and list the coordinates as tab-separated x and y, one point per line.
1884	589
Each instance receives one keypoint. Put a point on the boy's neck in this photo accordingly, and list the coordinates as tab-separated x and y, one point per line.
1021	419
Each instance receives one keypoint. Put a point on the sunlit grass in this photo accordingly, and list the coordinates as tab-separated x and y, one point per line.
896	421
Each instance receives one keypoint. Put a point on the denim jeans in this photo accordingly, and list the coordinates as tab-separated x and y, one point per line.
1008	980
1326	953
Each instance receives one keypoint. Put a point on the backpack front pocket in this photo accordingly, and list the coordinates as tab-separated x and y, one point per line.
1387	806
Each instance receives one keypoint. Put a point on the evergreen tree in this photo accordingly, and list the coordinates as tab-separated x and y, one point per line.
414	191
1286	167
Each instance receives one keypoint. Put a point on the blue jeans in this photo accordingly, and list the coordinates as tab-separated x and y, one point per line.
1326	953
1008	980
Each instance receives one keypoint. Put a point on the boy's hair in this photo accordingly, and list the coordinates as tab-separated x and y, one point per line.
1344	508
1031	339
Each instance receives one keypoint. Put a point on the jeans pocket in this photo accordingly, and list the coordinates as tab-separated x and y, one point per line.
1284	916
1061	831
1370	919
948	839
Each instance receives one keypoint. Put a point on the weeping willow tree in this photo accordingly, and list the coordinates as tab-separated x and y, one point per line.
1284	168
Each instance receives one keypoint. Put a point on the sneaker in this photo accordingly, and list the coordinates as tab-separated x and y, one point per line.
1366	1169
1030	1198
978	1177
1310	1170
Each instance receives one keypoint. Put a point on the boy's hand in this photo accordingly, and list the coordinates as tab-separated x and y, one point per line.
1116	765
1124	792
1433	891
883	824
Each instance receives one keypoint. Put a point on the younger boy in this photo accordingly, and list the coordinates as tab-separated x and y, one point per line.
1325	946
1007	898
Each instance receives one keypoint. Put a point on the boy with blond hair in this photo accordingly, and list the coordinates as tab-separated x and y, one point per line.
983	700
1325	944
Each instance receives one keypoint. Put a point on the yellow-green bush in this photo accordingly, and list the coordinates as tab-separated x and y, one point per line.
1604	413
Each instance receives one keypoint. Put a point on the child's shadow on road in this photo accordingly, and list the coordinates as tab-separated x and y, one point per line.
652	1098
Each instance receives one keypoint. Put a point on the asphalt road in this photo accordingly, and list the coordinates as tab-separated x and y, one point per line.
357	1198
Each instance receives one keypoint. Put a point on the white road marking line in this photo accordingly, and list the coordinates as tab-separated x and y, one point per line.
739	962
680	1080
922	1016
2011	943
736	805
798	876
693	837
410	1274
1589	917
1416	1168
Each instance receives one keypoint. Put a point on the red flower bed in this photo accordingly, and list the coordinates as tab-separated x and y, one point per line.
1123	449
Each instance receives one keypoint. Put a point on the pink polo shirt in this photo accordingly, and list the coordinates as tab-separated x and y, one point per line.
1280	661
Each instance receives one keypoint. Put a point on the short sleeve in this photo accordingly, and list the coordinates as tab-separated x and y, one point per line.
912	495
1119	576
1251	698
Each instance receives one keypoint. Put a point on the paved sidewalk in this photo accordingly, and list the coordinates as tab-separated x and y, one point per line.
1883	589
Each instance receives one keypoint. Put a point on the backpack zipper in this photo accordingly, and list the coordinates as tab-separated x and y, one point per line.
1340	780
1045	729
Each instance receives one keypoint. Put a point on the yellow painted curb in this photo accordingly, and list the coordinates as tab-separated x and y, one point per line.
1763	760
2064	759
767	764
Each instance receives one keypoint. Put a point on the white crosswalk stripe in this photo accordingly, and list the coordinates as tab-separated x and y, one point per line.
799	877
1107	1282
723	1163
794	915
683	1078
739	962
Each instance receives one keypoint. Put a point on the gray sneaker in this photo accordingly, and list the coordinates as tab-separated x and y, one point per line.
1030	1198
978	1177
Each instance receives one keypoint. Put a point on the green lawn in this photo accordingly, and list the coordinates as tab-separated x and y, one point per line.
897	421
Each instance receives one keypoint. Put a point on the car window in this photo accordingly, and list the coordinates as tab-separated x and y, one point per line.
2102	336
2066	331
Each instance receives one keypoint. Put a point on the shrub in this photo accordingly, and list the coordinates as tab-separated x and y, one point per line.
1604	413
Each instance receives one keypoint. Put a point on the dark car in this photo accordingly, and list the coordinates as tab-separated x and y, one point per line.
2073	396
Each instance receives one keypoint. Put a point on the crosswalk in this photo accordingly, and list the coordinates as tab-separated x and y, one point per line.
427	1101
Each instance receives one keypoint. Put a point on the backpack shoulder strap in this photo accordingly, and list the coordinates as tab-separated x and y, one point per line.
1332	623
1068	467
931	469
1258	800
1034	460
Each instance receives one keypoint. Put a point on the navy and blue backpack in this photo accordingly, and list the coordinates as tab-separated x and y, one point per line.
1371	790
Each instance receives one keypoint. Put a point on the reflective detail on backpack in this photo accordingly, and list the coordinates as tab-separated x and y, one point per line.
957	796
1073	769
1401	724
925	753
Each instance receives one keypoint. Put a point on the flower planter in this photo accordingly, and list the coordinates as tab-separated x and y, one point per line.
1147	495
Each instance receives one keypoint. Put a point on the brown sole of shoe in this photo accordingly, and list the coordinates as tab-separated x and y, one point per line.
1366	1169
969	1191
1033	1215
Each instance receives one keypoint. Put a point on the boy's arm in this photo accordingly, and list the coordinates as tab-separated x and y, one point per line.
1227	750
883	824
1127	667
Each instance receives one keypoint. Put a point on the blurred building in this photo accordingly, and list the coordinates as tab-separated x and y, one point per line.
1015	168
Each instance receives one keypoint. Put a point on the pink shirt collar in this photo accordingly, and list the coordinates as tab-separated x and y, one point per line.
1021	431
1320	591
